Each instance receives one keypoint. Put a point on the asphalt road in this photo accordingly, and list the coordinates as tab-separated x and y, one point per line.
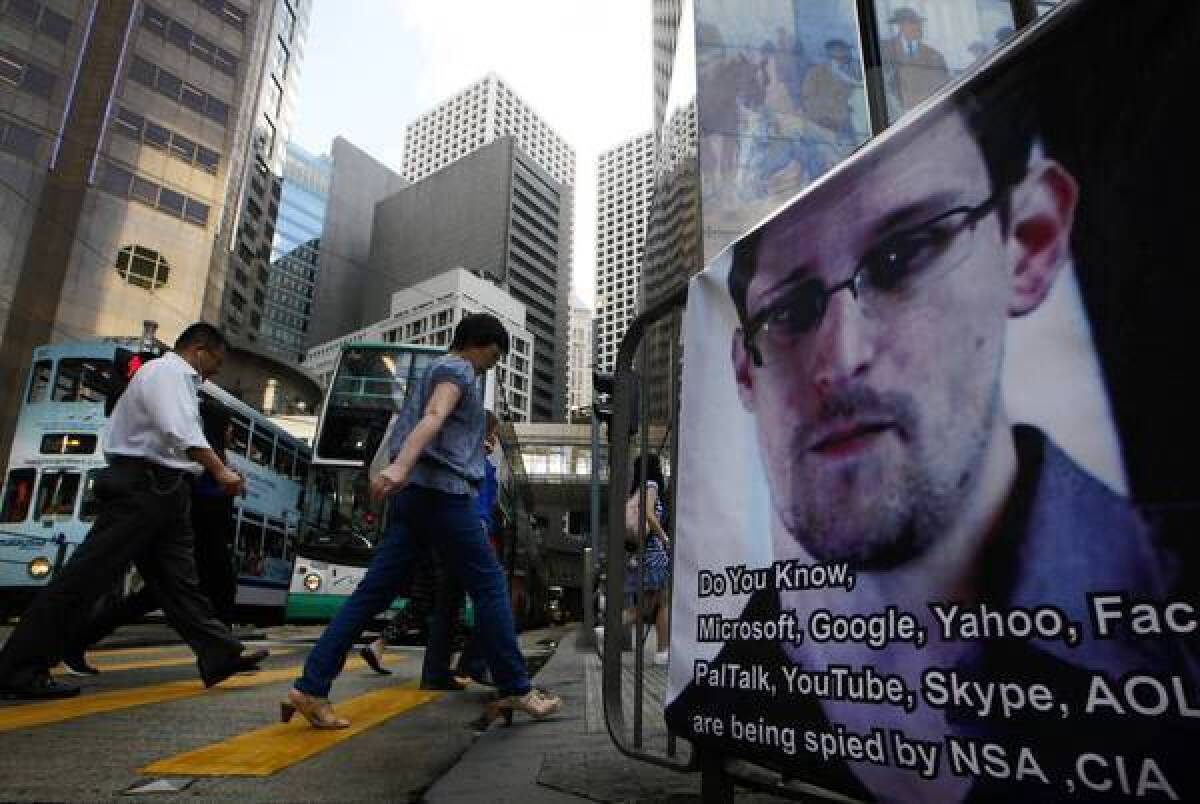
146	719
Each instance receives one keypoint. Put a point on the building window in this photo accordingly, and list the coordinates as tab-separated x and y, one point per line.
20	73
18	140
176	89
143	267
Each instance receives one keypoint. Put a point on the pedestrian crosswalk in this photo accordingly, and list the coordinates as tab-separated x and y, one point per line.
105	664
268	750
29	715
157	686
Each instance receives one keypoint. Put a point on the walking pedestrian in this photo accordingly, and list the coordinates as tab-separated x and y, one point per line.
435	471
444	617
154	446
213	529
656	579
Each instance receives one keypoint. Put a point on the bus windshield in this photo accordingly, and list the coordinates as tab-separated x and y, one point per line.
338	512
369	386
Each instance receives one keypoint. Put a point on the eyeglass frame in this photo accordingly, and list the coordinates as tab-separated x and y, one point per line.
853	283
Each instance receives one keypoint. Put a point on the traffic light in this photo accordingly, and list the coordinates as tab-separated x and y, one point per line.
603	384
125	364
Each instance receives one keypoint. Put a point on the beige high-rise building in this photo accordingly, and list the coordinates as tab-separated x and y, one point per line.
579	357
124	128
624	187
479	114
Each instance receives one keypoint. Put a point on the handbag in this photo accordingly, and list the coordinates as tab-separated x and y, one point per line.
381	459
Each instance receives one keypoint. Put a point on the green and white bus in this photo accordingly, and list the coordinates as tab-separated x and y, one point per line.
340	524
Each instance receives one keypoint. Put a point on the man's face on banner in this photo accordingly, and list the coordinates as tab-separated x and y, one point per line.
876	405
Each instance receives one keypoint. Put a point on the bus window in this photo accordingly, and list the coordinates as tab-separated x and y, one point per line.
239	444
260	448
275	542
56	495
250	542
90	506
285	457
43	370
82	379
68	444
17	495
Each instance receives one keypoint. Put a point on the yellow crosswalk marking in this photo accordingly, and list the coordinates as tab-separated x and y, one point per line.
42	714
155	650
176	661
268	750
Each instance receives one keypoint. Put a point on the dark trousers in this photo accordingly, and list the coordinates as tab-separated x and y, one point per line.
144	519
212	525
464	553
212	521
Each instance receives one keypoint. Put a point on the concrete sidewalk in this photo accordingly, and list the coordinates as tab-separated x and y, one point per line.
568	758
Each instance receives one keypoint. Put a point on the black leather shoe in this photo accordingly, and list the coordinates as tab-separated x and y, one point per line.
369	656
449	685
39	689
240	664
77	666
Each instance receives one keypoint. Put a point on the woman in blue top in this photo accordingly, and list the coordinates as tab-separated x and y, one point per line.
435	472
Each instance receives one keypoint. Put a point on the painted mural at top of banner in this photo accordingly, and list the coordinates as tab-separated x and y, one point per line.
781	94
954	558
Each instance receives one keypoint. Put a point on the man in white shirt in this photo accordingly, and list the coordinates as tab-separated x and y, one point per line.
155	447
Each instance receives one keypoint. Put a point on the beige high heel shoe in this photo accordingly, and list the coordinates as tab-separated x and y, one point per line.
536	703
317	711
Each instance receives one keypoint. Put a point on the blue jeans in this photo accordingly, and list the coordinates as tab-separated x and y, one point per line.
436	670
451	527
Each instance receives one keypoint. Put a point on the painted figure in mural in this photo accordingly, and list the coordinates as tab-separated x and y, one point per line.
829	87
913	69
733	87
790	63
888	450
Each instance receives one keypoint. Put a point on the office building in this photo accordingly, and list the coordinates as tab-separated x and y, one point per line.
295	254
481	113
357	182
498	214
123	128
579	358
428	312
241	285
624	187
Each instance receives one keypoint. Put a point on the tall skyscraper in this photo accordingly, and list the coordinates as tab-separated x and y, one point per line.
624	187
296	253
579	358
123	126
357	183
481	113
535	266
498	214
240	286
667	15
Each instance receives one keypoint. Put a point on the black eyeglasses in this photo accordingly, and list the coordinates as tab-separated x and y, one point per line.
883	282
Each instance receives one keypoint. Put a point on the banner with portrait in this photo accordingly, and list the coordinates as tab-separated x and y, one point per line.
936	505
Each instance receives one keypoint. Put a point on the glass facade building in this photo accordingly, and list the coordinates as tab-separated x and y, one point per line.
295	253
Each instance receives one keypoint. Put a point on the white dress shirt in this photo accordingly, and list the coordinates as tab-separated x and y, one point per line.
158	416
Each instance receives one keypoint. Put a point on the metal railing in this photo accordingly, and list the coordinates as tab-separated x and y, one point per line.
718	773
628	737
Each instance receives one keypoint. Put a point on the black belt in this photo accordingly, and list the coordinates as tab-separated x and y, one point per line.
134	462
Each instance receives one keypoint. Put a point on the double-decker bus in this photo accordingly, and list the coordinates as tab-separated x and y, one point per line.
47	502
340	524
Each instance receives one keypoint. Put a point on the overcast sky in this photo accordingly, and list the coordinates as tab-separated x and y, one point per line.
372	66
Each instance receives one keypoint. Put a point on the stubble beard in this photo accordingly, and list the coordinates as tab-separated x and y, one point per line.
892	507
